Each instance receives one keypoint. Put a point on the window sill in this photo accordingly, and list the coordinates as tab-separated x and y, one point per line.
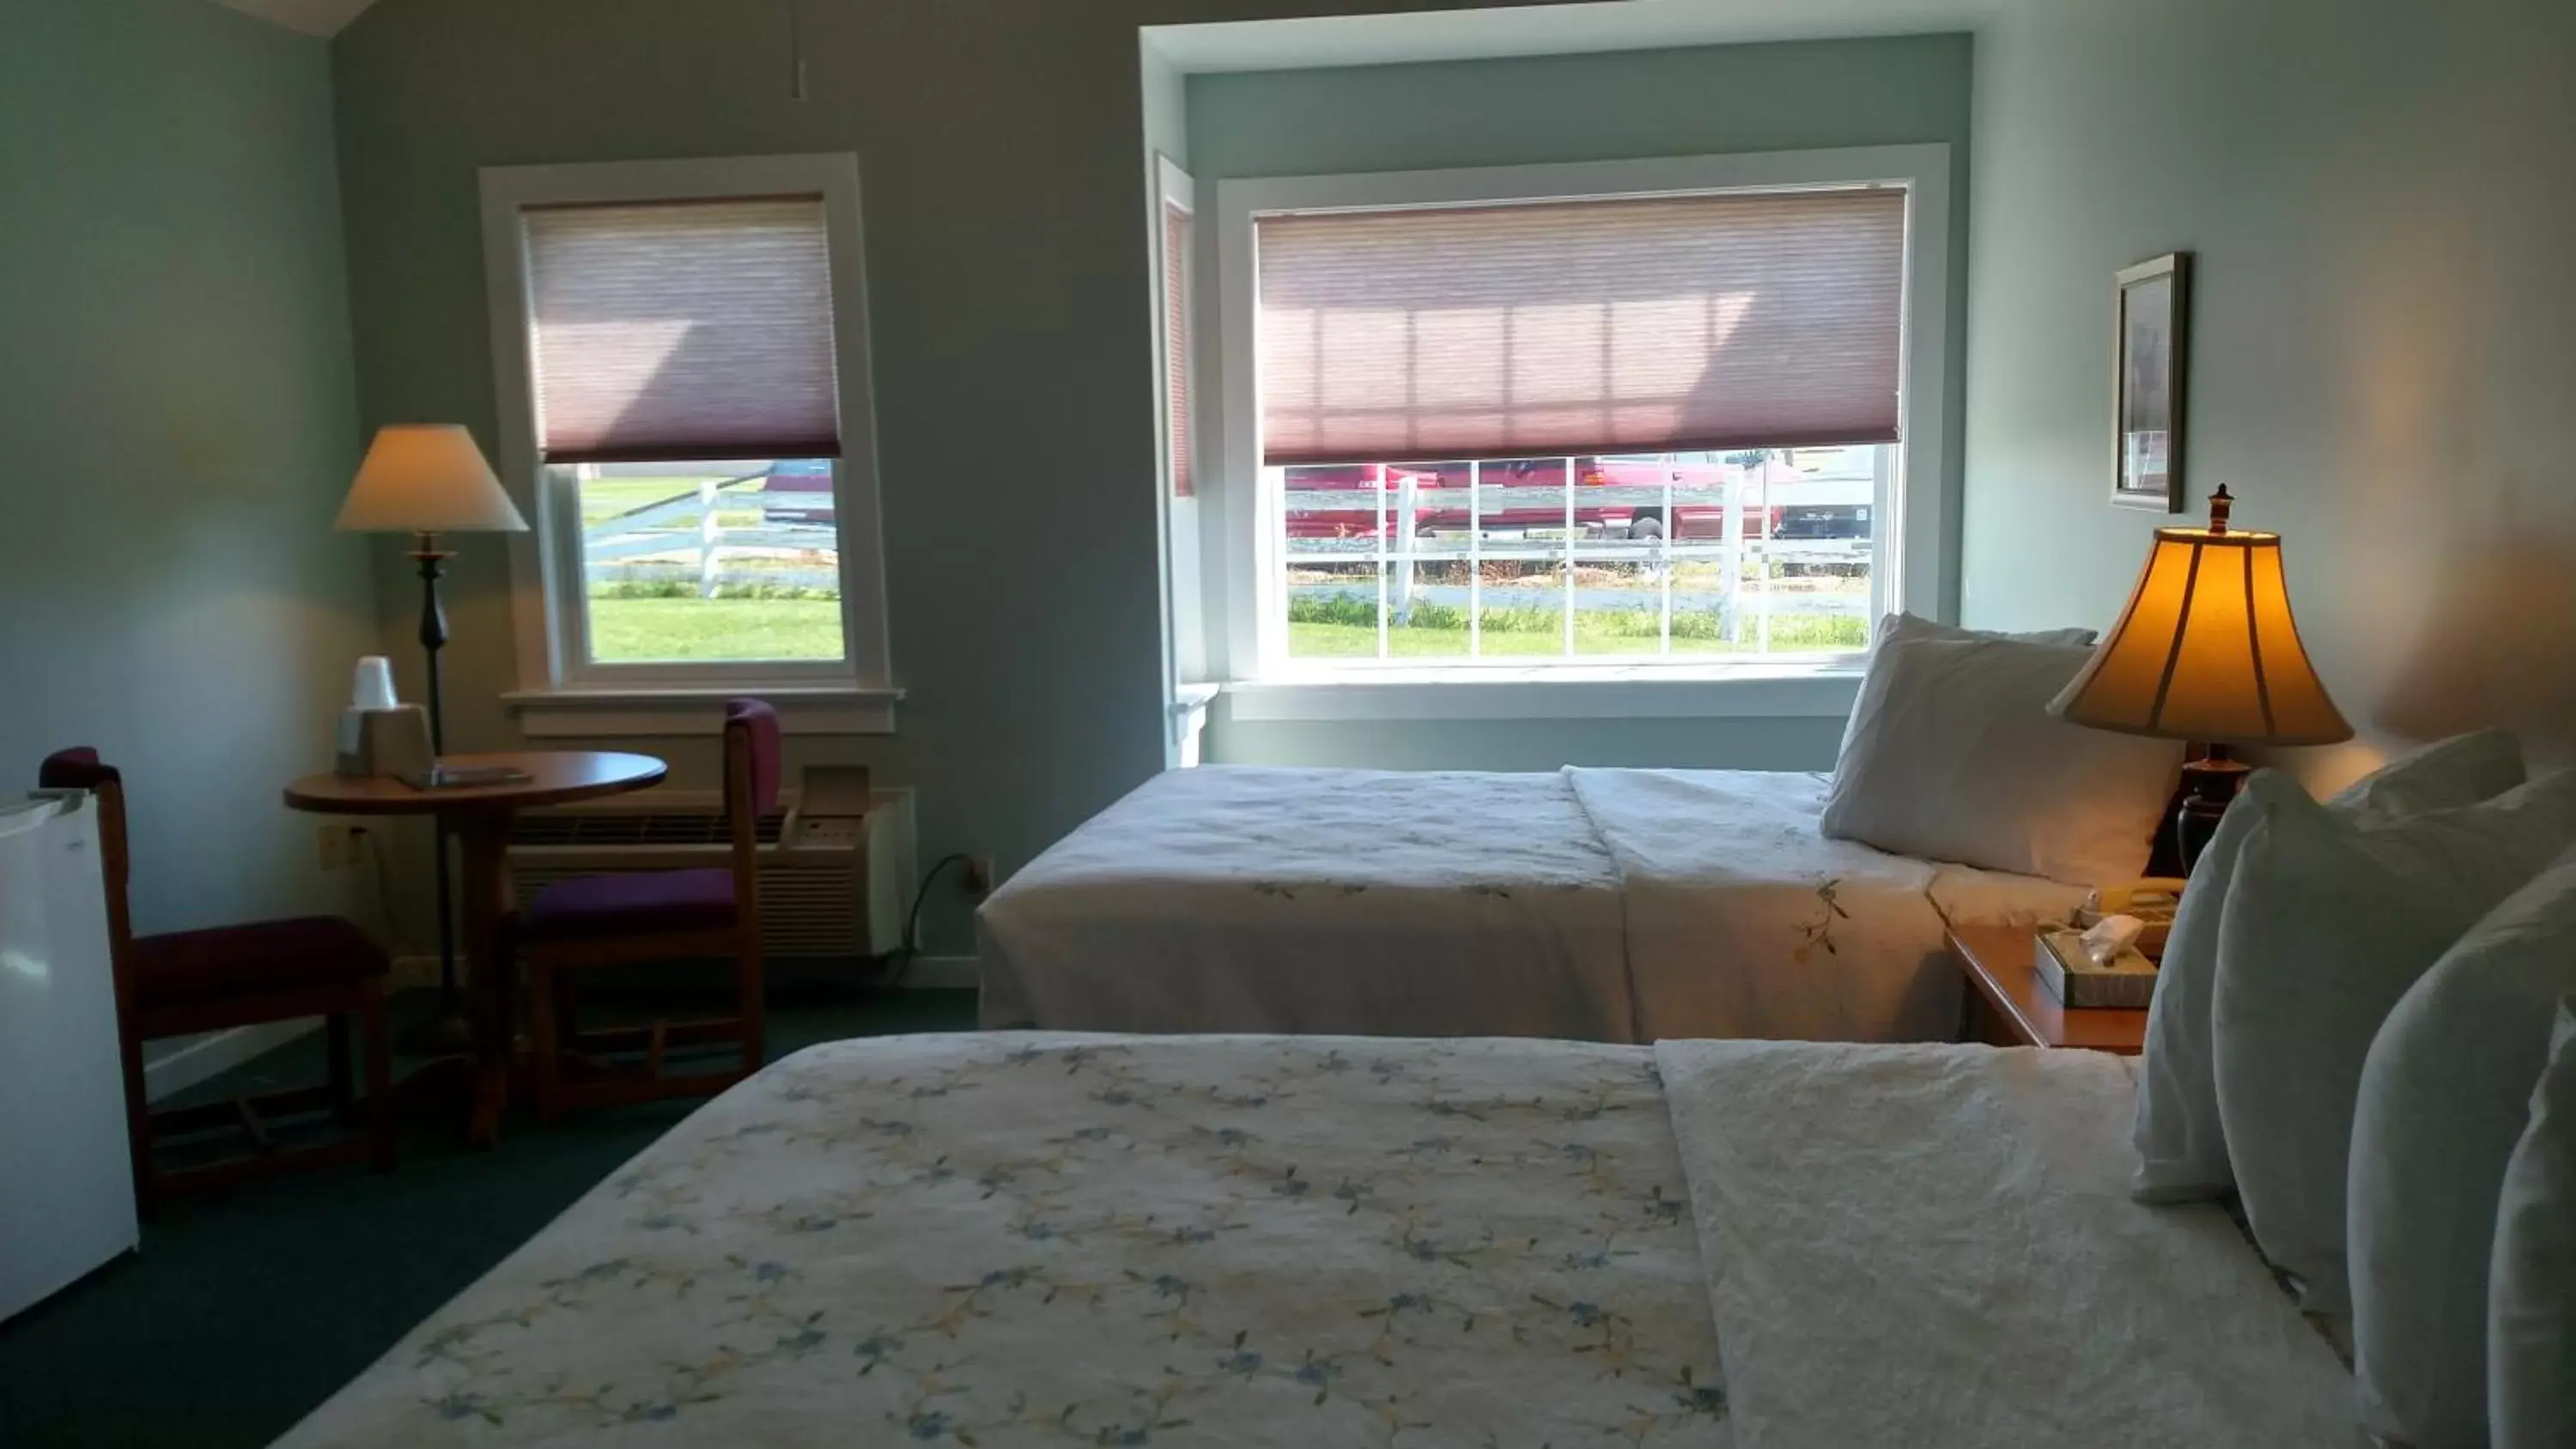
1763	691
618	713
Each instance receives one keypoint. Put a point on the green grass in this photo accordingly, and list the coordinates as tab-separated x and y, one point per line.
662	630
1345	629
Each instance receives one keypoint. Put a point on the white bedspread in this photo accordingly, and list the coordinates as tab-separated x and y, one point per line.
1006	1241
1391	903
1743	920
1933	1247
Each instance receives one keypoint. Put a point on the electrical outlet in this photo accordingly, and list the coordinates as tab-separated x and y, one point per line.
339	845
979	875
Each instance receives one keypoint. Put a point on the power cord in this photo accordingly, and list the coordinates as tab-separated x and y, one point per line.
900	962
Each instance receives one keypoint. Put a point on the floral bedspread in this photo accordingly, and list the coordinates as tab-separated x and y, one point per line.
1048	1240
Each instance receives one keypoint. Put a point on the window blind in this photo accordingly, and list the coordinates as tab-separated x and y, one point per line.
1176	347
683	330
1647	325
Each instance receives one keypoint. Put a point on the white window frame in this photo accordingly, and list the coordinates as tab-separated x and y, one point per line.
1914	568
560	691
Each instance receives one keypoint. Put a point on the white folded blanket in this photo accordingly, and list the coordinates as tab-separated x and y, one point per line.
1933	1247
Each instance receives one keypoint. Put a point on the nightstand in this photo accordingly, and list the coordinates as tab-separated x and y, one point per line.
2008	1005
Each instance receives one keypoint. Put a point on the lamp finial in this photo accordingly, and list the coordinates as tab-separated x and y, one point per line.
2220	503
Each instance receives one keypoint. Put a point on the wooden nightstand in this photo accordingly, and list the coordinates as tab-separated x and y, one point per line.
2008	1005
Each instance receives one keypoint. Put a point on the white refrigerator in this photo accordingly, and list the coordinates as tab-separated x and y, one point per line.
66	1183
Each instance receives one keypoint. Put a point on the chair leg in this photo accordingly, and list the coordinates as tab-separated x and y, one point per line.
752	1010
544	1049
344	1076
380	1080
138	1127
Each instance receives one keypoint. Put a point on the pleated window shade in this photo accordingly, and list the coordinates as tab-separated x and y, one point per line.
1666	324
683	331
1176	347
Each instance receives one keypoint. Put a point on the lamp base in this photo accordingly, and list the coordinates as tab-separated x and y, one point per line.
2209	785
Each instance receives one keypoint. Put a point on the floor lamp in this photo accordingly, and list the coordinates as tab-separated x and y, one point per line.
427	479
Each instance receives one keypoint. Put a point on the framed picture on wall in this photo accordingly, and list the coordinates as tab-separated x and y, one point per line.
2151	326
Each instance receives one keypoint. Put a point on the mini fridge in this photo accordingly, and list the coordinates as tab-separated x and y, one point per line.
66	1182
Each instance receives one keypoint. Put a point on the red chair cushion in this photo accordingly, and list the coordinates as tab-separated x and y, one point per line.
637	903
261	956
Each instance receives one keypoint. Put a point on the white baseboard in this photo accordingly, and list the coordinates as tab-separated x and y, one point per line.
944	973
190	1062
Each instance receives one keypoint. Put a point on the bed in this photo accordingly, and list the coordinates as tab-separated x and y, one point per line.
1021	1239
1586	904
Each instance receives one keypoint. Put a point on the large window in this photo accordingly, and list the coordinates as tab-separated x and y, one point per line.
1660	413
1627	558
683	377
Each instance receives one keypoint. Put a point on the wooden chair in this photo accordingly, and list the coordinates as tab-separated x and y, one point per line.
231	976
578	926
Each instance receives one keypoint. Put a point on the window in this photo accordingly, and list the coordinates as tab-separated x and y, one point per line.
682	364
1676	413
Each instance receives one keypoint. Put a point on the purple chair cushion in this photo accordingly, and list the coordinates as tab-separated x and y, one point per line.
762	722
634	904
74	769
261	956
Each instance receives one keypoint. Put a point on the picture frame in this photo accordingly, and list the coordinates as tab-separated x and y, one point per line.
2151	355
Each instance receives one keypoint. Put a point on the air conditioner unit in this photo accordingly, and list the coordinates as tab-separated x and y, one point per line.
836	861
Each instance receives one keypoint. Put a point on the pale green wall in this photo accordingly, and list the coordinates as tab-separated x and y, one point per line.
180	423
999	144
1683	102
2381	195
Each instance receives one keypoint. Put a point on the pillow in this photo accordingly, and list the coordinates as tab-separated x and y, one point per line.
2325	926
1915	626
2531	1308
2182	1153
2461	770
1953	755
2445	1095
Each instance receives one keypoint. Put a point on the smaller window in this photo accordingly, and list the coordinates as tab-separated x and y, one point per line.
683	360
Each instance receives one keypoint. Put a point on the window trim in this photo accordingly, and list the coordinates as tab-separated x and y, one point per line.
545	565
1920	507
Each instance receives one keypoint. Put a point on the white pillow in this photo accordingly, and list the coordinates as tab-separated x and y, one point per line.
2445	1095
2531	1307
2325	926
2182	1150
1953	755
1915	626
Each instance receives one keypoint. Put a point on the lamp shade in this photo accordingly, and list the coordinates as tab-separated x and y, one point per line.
427	478
2207	651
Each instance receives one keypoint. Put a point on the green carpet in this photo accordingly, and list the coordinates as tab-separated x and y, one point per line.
242	1313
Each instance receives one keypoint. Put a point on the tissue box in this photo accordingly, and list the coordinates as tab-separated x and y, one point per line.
2129	981
384	742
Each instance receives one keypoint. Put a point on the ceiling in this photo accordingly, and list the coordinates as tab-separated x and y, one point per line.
1441	35
313	17
1555	29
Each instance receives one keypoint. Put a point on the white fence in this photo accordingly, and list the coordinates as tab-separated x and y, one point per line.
1498	526
683	539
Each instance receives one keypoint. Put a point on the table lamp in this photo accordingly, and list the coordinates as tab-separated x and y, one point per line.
2207	652
428	479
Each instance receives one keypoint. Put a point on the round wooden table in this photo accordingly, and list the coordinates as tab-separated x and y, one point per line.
479	817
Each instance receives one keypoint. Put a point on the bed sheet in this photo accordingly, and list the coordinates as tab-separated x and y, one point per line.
1934	1247
1743	920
